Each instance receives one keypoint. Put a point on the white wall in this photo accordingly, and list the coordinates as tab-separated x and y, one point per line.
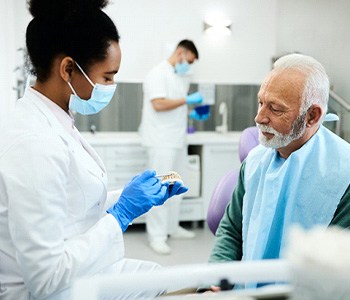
148	26
260	29
7	59
20	21
319	28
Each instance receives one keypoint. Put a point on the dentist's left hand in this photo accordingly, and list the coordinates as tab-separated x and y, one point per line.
142	193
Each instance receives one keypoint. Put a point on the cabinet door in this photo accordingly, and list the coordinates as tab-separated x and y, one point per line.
123	162
217	160
191	210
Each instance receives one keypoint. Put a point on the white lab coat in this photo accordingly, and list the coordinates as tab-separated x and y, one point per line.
165	129
53	224
164	136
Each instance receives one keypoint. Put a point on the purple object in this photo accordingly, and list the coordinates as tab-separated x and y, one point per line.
191	129
202	109
248	140
221	196
223	190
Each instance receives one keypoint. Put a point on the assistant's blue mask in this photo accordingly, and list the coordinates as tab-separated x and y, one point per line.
182	68
101	95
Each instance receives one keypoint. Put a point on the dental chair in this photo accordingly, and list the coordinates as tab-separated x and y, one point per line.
223	190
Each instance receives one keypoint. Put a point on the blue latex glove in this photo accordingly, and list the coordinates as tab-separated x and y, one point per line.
175	189
194	98
142	193
196	116
138	197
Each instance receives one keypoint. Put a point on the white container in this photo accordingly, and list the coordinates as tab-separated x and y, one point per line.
193	177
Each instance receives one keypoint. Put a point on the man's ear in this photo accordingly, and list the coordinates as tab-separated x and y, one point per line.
314	114
66	68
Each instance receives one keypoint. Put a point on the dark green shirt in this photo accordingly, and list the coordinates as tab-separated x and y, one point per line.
228	242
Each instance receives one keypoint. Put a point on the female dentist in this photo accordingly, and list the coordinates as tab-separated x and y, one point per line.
57	221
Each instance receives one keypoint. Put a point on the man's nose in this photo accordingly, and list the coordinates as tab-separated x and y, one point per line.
261	116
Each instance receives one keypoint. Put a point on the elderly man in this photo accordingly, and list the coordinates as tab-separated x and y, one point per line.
300	174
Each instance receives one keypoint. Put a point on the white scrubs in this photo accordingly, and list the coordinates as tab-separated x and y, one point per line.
164	136
53	198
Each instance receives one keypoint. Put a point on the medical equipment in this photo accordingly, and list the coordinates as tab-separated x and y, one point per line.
171	177
320	263
181	277
100	97
182	68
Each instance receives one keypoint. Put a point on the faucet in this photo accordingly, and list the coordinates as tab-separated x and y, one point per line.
93	129
222	111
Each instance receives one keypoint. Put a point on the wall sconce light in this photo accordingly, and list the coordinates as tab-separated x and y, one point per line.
217	27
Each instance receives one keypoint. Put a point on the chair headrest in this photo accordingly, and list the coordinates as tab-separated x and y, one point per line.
248	140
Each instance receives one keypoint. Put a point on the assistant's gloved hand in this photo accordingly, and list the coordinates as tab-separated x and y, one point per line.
175	189
194	98
142	193
196	116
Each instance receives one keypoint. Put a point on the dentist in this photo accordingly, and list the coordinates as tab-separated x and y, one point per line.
57	221
163	134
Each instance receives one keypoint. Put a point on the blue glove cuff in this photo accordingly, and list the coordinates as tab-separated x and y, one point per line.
122	219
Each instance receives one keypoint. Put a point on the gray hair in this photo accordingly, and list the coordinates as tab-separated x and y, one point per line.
316	89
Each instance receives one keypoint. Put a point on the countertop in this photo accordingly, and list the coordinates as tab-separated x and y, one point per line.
133	138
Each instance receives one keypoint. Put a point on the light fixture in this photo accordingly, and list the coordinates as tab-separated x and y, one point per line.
217	26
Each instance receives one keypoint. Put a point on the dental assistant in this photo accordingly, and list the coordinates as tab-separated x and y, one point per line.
163	133
57	220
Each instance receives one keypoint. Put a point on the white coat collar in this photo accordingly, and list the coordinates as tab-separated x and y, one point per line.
32	96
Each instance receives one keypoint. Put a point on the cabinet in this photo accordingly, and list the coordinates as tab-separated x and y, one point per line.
219	154
123	162
124	157
217	159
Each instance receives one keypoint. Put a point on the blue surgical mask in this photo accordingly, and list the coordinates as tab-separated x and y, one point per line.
101	95
182	68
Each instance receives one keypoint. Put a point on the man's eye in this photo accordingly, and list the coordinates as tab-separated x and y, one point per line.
275	110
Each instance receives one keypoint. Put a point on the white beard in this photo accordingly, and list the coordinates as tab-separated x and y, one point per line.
280	140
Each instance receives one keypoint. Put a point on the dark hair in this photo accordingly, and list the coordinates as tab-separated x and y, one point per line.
76	28
189	45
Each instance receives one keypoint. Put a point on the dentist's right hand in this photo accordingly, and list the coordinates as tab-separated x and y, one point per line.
142	193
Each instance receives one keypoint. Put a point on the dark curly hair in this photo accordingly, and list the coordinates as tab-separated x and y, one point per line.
76	28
